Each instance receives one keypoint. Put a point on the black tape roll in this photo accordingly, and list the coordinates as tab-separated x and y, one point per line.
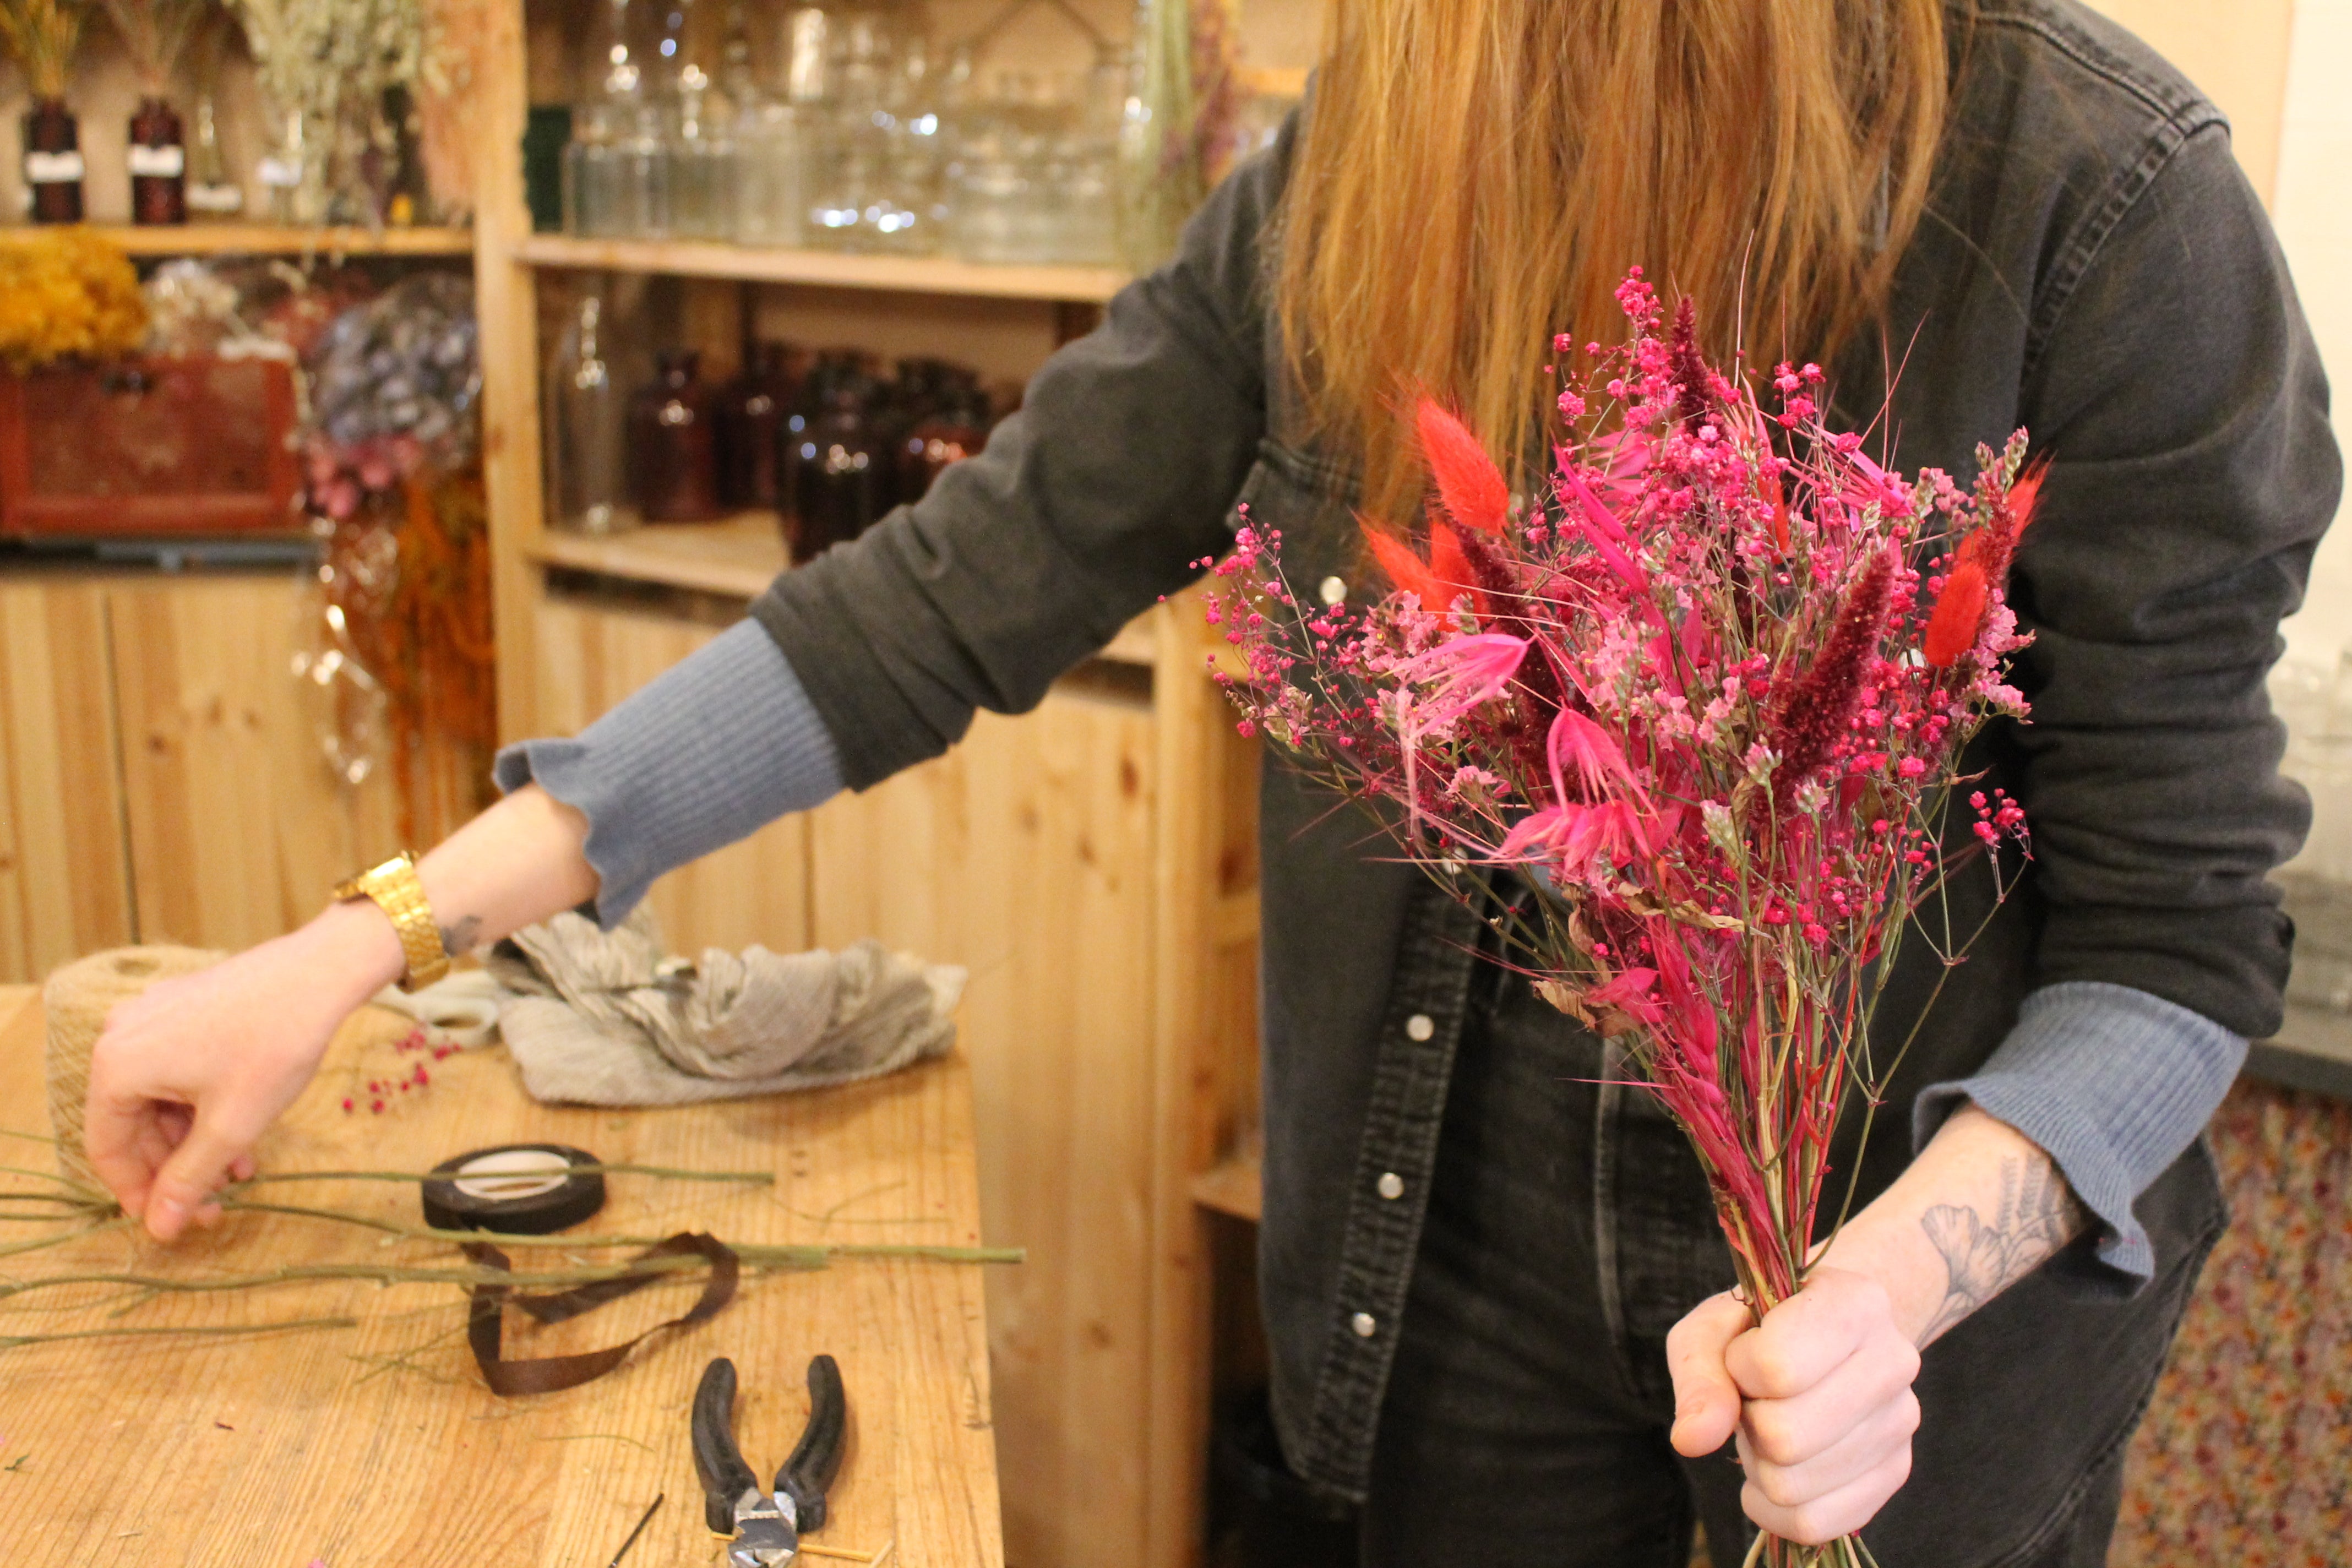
517	1189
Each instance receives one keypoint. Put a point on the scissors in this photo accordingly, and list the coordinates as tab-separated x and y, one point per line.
765	1527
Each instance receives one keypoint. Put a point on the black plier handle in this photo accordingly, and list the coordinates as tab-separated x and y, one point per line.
732	1488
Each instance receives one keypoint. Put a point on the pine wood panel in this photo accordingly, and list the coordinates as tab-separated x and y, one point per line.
237	829
588	657
506	301
378	1447
1204	1048
64	885
1027	853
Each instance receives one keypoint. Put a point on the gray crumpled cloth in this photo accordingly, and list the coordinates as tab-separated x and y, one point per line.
602	1017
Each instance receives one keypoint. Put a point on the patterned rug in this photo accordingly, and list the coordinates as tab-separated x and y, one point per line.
2246	1454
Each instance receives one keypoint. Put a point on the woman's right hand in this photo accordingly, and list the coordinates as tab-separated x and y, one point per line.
187	1078
187	1075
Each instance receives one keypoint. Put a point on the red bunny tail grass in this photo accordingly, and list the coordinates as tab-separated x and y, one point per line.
1960	614
1405	568
1467	481
1809	718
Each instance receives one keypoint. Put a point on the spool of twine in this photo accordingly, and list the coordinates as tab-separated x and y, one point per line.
77	1000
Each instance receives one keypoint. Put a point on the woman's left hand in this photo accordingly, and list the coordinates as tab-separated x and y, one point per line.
1819	1396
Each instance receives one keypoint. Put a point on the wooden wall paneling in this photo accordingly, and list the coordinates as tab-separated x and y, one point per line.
65	877
236	827
1027	855
586	657
1204	1048
506	302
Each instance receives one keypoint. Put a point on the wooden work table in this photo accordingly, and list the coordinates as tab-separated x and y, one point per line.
377	1444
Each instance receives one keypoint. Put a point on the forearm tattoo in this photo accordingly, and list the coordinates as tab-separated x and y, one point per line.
458	940
2039	1213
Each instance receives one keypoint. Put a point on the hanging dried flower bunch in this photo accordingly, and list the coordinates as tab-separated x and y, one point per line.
395	384
43	36
155	34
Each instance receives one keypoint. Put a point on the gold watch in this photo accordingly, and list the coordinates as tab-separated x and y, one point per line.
397	892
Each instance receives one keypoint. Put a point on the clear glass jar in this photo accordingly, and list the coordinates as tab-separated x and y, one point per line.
769	187
903	217
849	170
703	166
990	201
616	169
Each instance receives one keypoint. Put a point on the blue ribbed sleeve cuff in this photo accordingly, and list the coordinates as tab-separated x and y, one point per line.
710	750
2113	1084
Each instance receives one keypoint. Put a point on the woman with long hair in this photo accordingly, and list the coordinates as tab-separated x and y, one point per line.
1494	1289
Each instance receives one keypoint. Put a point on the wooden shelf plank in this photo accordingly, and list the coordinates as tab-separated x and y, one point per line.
738	556
762	264
272	240
1235	1187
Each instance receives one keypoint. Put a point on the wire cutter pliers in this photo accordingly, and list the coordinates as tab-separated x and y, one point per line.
765	1527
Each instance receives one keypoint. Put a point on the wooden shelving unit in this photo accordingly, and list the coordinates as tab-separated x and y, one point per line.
760	263
1092	863
272	240
1233	1187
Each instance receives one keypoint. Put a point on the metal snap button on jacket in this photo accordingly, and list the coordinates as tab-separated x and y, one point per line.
1365	1325
1419	1029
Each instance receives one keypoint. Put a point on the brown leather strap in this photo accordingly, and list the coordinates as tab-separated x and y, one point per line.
486	1323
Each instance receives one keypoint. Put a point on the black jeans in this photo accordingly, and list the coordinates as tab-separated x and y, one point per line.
1526	1419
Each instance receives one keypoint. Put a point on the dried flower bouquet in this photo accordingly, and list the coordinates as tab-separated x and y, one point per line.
1708	699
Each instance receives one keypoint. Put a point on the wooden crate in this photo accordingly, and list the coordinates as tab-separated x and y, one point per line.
194	445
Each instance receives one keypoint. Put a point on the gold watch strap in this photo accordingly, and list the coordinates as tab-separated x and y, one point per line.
397	892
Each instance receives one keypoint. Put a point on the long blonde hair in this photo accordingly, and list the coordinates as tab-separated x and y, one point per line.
1477	175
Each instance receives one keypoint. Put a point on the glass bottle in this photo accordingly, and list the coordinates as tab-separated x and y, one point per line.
673	443
158	162
210	192
283	174
752	415
588	429
53	163
836	474
956	430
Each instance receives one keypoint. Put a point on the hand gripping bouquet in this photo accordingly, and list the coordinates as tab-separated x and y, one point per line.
1707	698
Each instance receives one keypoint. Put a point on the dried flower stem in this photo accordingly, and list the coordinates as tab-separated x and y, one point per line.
763	1260
16	1342
668	1173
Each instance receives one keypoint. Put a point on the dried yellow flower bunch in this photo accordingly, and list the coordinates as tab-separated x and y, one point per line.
65	293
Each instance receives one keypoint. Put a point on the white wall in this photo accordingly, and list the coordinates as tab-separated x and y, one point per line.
2314	212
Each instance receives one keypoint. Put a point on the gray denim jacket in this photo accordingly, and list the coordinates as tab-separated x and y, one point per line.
2093	266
